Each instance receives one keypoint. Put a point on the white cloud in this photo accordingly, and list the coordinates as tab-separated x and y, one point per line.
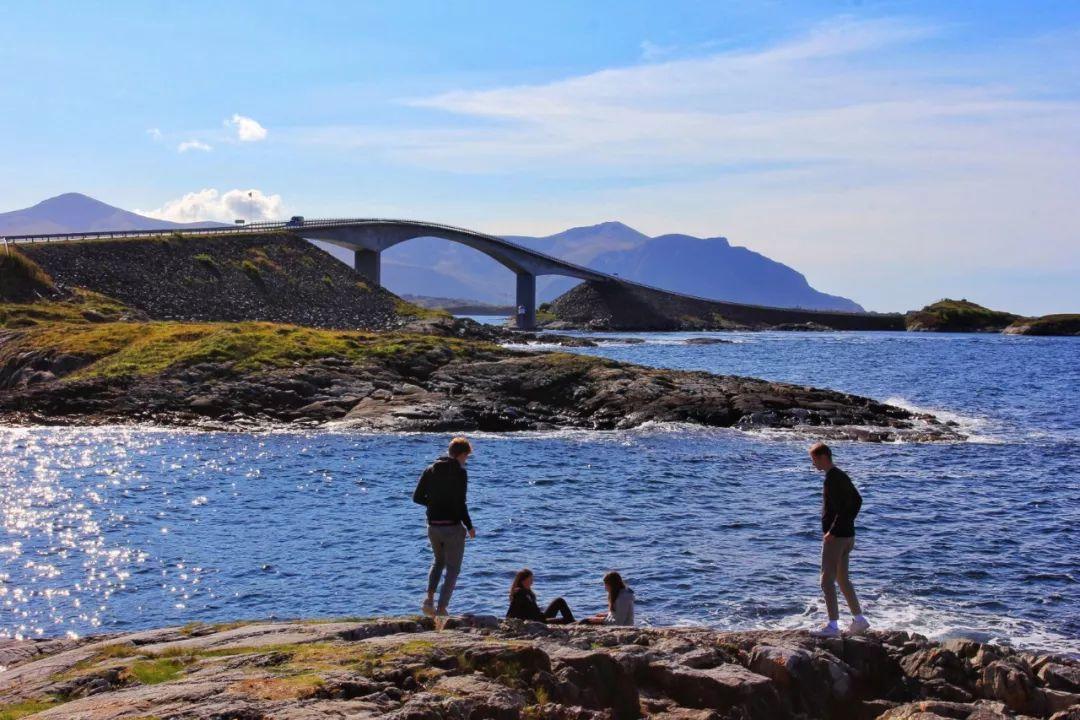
154	133
247	129
193	145
208	204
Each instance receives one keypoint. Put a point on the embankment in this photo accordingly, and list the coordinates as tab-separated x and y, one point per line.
618	306
398	668
276	277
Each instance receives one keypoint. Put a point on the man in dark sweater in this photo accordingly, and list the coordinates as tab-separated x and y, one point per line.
441	489
840	503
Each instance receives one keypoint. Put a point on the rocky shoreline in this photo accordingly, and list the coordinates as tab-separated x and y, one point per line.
235	375
479	667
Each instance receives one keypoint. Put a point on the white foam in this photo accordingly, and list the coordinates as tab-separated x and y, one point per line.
941	621
977	429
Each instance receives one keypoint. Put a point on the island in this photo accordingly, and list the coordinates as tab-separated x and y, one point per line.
235	333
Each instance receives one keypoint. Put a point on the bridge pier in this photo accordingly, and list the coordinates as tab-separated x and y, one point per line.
526	301
368	264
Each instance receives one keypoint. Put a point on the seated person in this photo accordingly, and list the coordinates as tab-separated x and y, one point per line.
620	603
523	603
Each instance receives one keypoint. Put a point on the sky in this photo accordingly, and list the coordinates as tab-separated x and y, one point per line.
894	152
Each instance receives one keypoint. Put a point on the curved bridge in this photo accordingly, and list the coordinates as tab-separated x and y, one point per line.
367	238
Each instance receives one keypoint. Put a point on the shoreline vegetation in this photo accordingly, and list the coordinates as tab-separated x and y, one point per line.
479	667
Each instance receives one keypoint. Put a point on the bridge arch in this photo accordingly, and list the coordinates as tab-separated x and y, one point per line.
368	238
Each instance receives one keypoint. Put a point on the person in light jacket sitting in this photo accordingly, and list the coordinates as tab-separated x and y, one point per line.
620	603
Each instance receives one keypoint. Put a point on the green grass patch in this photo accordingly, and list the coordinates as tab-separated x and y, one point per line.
154	672
81	306
22	279
14	711
138	349
404	308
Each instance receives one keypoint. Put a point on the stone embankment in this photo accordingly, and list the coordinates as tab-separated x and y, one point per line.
275	277
479	668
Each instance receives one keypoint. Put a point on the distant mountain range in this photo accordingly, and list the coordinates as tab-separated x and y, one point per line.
75	212
707	267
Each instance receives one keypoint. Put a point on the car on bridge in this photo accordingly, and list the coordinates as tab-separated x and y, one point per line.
296	220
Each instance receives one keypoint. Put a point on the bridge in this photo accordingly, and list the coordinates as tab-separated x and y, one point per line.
367	238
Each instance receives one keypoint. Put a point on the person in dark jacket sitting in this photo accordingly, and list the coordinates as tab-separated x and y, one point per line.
442	489
523	603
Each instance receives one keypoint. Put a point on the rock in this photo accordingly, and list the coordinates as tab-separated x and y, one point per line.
1061	677
489	699
1012	683
400	668
722	688
936	663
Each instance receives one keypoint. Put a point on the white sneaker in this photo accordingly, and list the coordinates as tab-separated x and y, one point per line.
828	630
858	626
428	608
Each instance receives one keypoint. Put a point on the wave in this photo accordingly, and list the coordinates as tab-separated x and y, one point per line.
979	430
942	622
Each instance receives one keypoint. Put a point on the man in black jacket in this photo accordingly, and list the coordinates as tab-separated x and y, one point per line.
442	489
840	503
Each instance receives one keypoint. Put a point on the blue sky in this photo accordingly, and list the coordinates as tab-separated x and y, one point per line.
894	152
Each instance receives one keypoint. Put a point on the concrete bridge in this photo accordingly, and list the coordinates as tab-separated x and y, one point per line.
367	238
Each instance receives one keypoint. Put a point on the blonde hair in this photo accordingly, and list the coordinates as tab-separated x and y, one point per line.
460	446
819	449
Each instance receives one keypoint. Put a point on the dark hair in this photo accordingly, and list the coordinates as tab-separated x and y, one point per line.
819	449
615	584
522	575
459	446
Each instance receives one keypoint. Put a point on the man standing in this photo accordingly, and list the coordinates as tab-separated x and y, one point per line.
839	506
442	488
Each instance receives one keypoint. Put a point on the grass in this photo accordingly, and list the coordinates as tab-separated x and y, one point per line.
82	306
405	308
14	711
291	687
154	672
21	278
140	349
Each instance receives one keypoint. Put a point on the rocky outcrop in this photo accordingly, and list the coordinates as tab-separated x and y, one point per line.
232	375
621	306
1046	325
481	668
958	316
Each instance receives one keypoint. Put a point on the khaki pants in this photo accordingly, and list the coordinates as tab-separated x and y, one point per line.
834	570
448	550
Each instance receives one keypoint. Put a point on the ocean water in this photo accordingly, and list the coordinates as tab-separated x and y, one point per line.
114	529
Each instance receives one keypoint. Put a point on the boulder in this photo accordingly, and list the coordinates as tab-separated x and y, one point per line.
490	700
726	687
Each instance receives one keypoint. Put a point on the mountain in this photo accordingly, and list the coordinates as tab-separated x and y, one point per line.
710	267
713	268
707	267
75	212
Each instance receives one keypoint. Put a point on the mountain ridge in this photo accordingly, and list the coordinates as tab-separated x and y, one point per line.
76	212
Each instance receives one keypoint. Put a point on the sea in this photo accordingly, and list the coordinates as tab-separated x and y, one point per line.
114	529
